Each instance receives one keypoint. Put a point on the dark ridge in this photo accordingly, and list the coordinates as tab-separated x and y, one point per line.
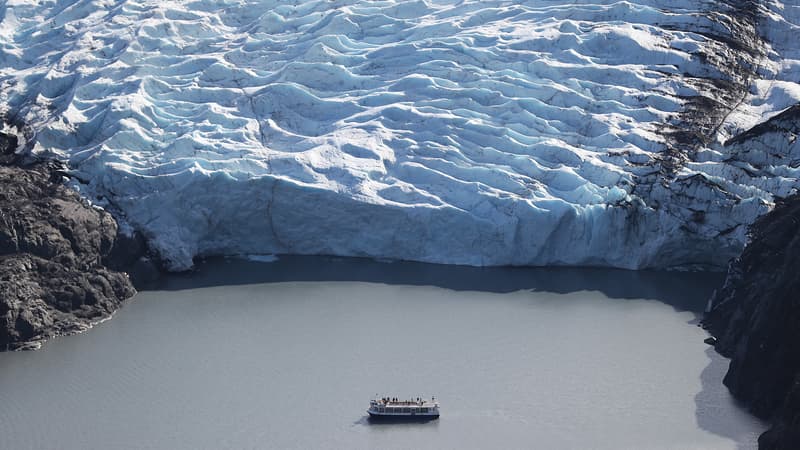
787	121
735	49
755	317
62	261
8	147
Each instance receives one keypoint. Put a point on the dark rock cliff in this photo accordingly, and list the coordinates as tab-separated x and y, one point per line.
61	259
756	319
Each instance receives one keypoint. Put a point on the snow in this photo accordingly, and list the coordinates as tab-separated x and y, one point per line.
468	132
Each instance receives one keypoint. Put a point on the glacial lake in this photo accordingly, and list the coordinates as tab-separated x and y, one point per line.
286	355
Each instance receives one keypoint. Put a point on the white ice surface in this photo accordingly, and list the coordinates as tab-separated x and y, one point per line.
471	132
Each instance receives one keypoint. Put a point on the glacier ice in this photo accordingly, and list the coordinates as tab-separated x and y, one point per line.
468	132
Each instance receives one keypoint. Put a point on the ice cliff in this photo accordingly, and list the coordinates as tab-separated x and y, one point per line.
473	132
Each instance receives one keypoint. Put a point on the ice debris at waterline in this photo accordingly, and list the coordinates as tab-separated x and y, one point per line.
474	132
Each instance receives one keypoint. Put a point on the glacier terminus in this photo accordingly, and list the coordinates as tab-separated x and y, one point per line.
632	134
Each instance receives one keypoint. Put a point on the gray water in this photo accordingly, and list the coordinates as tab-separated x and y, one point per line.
286	355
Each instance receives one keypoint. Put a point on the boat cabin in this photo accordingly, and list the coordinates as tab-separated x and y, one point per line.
392	407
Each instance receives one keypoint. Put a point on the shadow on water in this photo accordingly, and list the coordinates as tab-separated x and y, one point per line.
684	291
708	404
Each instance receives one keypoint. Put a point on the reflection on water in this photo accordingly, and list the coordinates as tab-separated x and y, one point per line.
287	355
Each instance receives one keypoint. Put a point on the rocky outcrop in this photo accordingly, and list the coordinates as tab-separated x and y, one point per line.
756	319
61	259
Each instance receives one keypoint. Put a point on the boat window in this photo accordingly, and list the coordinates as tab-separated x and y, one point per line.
423	410
405	410
380	409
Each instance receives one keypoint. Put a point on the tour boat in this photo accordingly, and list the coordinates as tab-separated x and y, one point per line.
396	409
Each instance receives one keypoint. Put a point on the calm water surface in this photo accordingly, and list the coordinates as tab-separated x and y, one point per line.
286	355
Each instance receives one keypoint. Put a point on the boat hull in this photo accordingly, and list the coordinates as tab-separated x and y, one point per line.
401	417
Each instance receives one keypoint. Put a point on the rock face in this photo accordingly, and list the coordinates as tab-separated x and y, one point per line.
756	318
60	258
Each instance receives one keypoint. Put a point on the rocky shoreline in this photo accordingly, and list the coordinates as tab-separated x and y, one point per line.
63	262
755	317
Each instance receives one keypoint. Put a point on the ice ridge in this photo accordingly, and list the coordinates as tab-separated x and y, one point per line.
468	132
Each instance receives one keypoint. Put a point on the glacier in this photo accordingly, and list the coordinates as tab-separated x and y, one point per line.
600	133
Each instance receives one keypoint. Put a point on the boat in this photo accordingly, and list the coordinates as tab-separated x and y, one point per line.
394	409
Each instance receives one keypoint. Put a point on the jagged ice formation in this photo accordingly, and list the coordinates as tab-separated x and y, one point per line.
474	132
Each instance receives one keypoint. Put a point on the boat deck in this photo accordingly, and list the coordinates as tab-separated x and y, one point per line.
426	403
